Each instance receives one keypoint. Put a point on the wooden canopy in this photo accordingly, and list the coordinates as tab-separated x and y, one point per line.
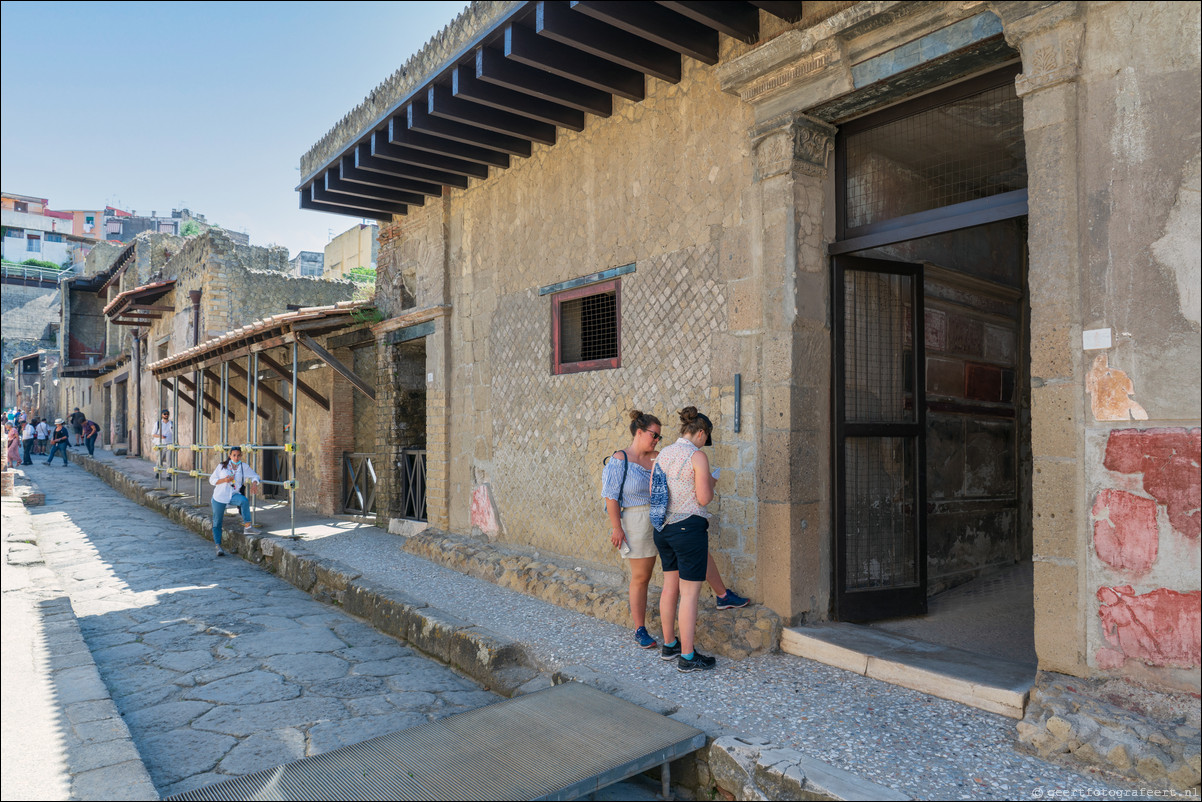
543	66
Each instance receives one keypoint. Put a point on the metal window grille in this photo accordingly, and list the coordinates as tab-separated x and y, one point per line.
587	333
964	150
877	342
881	550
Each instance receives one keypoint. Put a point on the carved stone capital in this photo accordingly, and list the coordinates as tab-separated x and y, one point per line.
1049	36
792	142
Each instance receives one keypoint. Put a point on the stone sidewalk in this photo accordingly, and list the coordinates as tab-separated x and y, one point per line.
774	714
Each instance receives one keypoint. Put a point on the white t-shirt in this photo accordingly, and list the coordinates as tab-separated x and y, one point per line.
242	474
164	432
43	430
28	433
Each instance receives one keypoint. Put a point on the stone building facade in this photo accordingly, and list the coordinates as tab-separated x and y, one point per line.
746	216
144	305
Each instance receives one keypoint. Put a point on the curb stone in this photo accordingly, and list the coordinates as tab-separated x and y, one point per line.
504	666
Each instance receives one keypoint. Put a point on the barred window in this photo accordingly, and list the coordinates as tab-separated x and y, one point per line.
586	328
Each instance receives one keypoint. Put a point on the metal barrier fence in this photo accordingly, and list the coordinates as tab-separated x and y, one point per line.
254	450
411	483
358	483
35	272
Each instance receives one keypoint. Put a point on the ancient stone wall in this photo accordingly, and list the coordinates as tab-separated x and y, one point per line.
660	185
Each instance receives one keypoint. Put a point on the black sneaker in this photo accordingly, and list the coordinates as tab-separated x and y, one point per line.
220	553
700	662
667	652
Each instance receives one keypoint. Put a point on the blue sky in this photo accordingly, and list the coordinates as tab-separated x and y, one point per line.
155	106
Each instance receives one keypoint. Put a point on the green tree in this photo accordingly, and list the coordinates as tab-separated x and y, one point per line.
362	275
190	228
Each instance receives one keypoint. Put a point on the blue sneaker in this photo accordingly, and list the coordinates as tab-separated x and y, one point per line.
644	639
731	600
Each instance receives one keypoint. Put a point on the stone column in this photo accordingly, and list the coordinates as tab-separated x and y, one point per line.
792	152
1049	38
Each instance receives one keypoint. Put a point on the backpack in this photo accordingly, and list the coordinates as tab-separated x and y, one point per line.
659	497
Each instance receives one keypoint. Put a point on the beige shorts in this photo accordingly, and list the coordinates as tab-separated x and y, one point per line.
636	523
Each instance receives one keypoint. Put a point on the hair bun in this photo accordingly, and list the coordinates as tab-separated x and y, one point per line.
635	414
688	414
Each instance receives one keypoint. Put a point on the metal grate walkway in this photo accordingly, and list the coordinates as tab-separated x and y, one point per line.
561	743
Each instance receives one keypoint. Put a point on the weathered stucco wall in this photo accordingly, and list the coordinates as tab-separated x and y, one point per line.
662	185
1140	118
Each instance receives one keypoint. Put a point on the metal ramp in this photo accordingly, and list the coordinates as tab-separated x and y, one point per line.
561	743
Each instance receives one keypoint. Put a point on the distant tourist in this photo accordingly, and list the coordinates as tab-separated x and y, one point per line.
625	485
58	441
12	438
90	430
28	437
76	420
43	435
229	483
163	435
683	542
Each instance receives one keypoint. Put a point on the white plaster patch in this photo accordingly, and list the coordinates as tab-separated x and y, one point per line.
1179	247
1096	339
1129	138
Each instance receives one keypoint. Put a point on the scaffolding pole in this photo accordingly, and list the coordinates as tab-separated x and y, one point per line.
175	438
292	441
199	439
252	419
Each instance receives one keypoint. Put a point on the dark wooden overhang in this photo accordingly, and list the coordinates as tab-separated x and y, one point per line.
542	67
119	265
137	307
95	370
262	335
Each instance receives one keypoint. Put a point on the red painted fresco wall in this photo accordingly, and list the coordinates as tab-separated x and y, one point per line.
1156	493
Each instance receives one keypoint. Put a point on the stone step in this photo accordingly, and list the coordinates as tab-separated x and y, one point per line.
980	681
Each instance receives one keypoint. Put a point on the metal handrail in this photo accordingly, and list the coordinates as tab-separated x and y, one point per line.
36	272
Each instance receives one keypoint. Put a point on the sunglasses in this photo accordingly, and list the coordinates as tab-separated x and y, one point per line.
654	436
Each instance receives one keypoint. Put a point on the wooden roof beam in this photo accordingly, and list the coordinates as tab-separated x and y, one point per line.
526	47
560	23
493	68
336	364
442	103
421	120
267	391
383	147
320	195
399	133
335	184
738	20
307	202
657	24
466	86
286	374
410	163
395	172
788	11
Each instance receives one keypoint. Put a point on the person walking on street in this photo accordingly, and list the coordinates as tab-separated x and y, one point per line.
229	483
77	420
28	436
12	442
58	441
90	430
683	542
163	435
43	435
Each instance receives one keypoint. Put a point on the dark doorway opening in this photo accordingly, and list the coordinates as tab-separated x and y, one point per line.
935	189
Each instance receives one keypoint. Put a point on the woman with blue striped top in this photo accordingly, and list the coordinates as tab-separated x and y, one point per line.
626	487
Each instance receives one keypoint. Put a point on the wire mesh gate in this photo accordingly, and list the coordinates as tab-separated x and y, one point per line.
880	452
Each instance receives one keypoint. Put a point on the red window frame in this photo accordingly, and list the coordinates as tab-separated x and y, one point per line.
559	367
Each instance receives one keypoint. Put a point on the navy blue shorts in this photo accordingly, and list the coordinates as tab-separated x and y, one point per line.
684	546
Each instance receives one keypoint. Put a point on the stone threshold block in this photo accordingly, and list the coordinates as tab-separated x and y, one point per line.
987	683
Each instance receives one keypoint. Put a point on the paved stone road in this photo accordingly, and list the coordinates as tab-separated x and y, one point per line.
219	668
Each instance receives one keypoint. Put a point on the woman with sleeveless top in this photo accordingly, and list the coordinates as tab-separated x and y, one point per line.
628	505
683	543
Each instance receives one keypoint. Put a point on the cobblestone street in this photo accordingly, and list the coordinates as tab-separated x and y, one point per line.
219	668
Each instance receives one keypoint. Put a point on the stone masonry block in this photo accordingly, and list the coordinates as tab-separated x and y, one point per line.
1058	636
1055	420
432	631
296	567
1055	524
396	613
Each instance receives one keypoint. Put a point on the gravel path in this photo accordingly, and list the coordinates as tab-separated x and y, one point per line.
923	746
